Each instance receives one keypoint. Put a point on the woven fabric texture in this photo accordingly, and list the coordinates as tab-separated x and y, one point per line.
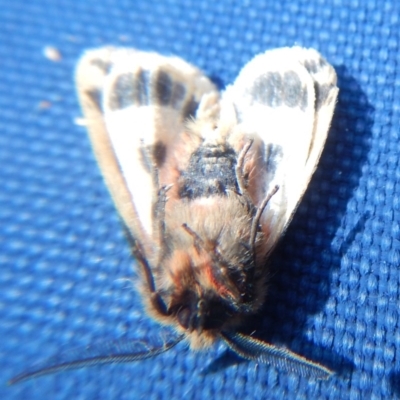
66	271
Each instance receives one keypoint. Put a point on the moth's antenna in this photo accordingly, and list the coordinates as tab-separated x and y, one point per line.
116	352
254	349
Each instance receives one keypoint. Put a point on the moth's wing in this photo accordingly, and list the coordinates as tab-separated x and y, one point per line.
283	100
135	105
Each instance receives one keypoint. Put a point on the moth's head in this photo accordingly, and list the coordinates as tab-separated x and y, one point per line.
208	279
203	294
201	313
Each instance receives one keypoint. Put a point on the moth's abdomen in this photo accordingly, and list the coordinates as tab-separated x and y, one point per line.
211	171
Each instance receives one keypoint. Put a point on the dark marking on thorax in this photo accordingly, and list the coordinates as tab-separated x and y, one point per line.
211	171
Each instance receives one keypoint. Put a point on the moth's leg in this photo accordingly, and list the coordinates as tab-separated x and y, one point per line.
256	219
149	155
156	300
160	194
159	213
147	274
240	177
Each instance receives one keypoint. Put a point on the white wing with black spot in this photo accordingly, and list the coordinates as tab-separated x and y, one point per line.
284	100
135	105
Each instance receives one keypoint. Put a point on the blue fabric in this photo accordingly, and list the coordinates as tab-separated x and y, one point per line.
66	269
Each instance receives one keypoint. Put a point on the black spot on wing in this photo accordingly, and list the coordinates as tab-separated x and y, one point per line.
159	153
190	108
267	89
275	89
153	155
211	171
273	157
163	87
178	95
130	89
322	92
322	63
96	96
313	66
295	94
142	87
123	91
101	64
146	87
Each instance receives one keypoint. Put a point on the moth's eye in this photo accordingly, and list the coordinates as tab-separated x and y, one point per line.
238	277
218	313
184	315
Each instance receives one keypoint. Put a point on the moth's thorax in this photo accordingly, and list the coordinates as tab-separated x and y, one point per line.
211	171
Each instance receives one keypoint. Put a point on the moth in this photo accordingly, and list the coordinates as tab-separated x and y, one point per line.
205	183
